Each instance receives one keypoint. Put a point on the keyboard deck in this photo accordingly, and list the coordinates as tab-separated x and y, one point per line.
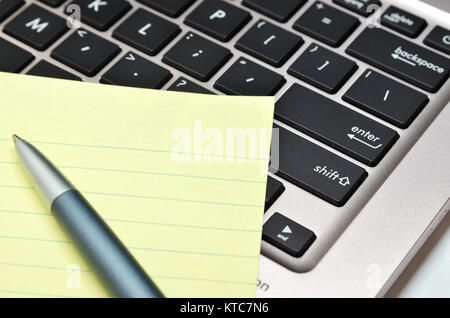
352	96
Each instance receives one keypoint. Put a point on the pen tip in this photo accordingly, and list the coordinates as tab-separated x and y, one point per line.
16	138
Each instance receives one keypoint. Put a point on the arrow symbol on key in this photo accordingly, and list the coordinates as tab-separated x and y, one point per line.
130	57
345	181
397	57
351	136
287	229
81	33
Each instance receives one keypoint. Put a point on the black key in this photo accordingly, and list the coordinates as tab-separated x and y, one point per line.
335	125
133	70
403	22
287	235
172	8
146	32
278	10
439	38
323	68
410	62
44	68
362	7
247	78
197	56
315	169
85	52
218	19
7	7
269	43
326	24
184	85
53	3
12	58
273	191
36	27
394	102
100	14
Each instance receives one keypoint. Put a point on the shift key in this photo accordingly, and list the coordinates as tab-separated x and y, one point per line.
335	125
314	168
410	62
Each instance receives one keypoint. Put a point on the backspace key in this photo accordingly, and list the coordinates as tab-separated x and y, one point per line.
408	61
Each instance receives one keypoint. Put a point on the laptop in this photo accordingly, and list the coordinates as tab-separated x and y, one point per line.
359	174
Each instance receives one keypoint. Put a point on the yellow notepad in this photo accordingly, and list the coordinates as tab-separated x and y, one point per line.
179	177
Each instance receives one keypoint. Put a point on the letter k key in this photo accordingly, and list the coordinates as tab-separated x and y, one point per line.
100	14
96	4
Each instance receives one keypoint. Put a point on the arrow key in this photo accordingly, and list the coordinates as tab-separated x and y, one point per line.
287	235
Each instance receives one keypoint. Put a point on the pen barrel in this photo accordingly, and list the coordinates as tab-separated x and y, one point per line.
101	248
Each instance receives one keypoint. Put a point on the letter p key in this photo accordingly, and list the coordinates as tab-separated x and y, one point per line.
219	14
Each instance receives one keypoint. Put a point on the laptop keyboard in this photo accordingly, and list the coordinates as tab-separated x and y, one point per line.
325	147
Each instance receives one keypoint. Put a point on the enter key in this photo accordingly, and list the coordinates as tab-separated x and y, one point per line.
340	127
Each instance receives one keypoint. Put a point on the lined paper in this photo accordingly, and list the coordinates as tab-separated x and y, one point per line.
195	225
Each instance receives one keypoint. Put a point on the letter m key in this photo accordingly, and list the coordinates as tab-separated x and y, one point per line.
36	25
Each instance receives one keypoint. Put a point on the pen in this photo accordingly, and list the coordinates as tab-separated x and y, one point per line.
107	255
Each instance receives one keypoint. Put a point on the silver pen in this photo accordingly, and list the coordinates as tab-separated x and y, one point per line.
101	248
